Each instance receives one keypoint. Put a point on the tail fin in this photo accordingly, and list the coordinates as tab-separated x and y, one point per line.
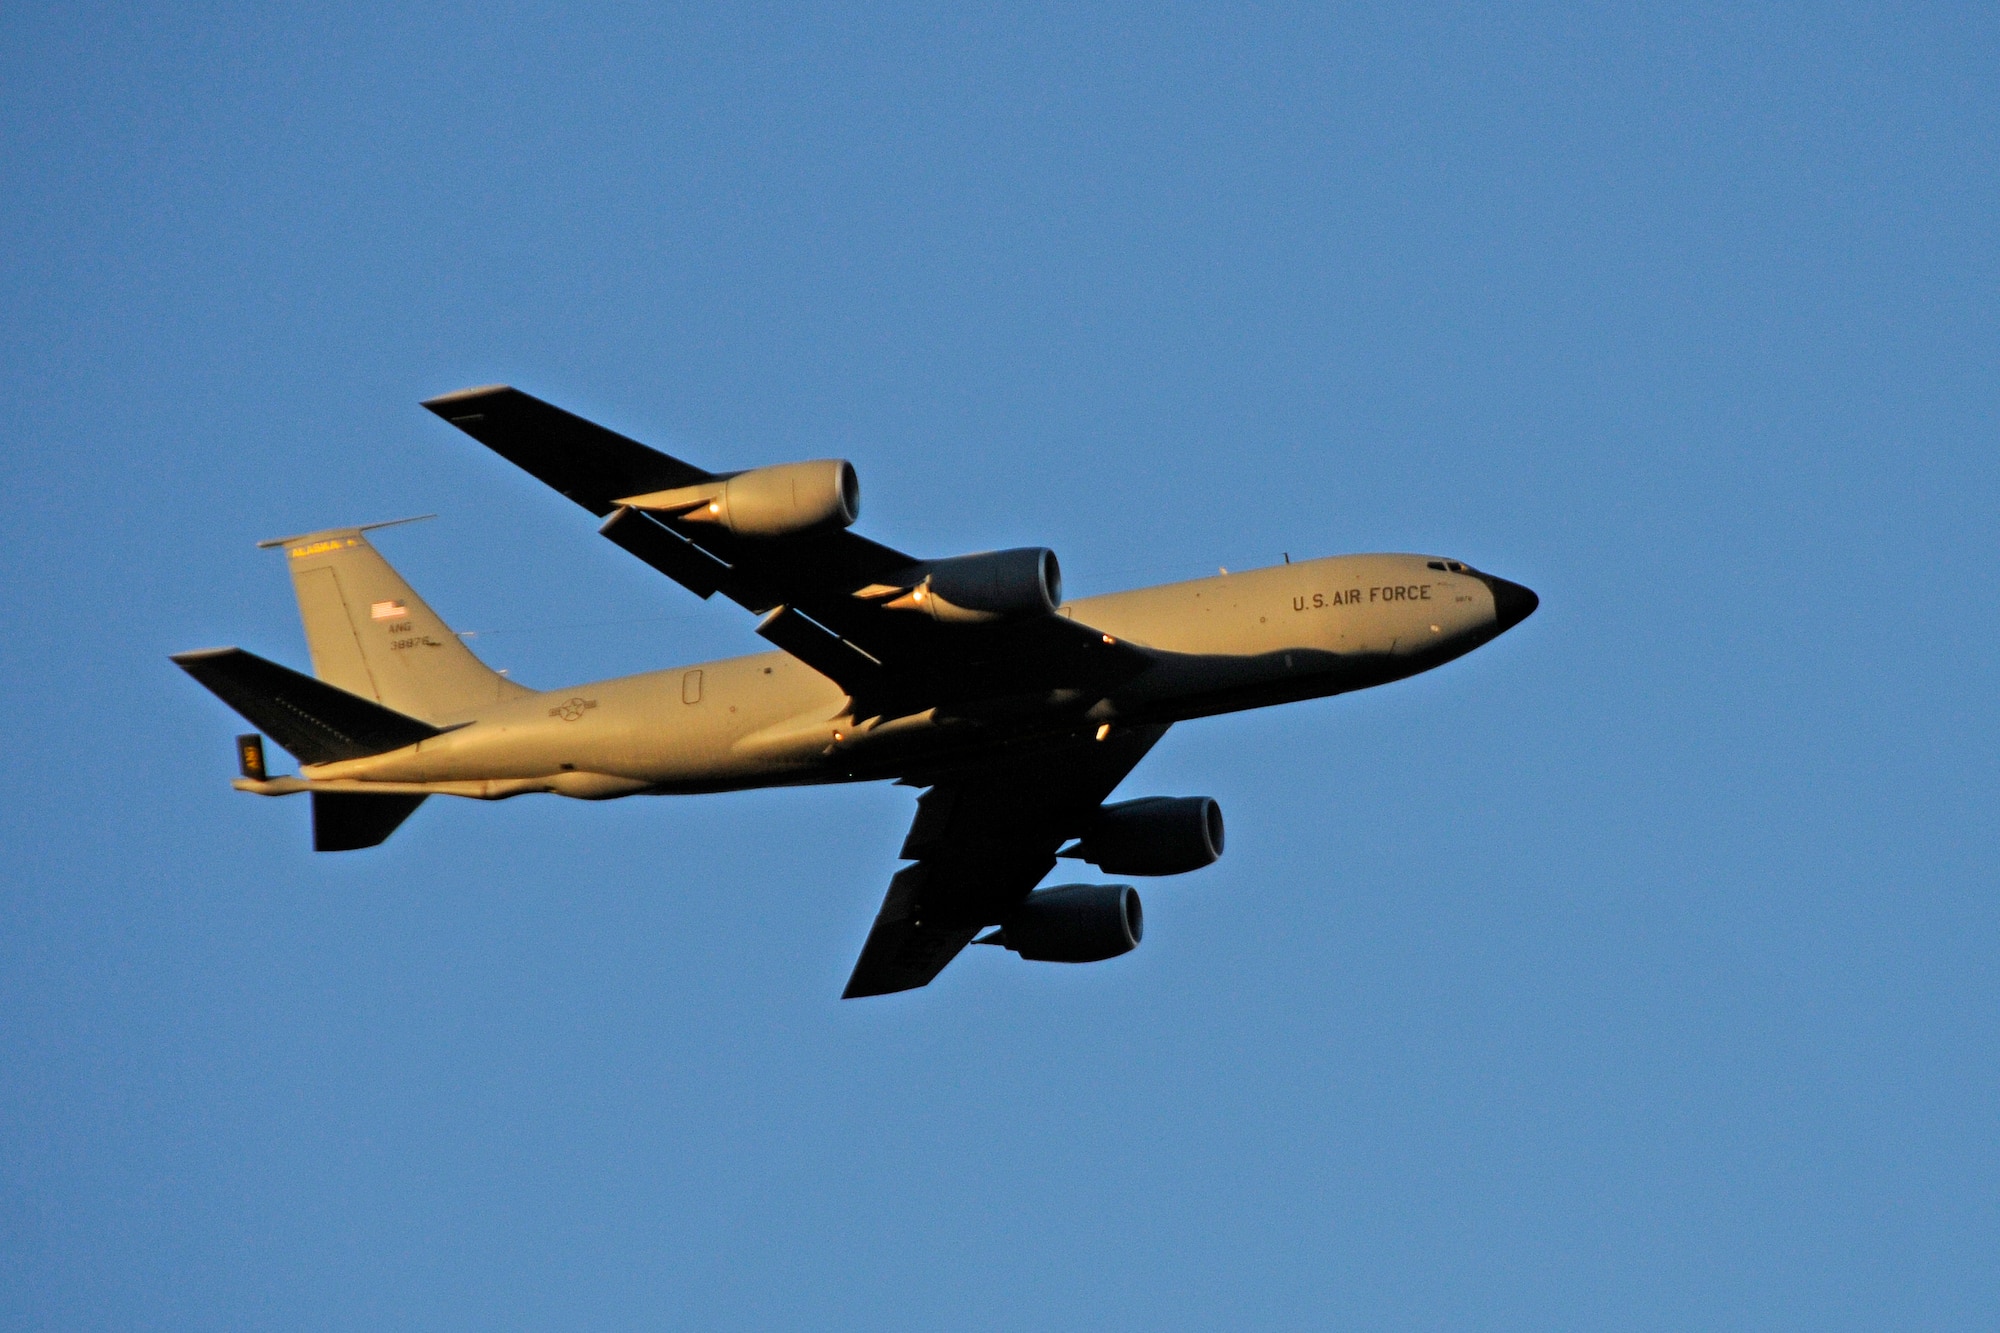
371	635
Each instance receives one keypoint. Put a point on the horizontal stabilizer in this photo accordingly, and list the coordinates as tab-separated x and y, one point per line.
344	823
318	722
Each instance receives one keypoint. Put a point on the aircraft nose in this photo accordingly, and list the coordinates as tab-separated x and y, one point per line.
1512	603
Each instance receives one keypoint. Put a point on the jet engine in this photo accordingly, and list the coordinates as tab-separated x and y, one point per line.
1156	835
990	586
1074	923
780	501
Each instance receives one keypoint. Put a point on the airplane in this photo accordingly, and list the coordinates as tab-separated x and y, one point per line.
970	677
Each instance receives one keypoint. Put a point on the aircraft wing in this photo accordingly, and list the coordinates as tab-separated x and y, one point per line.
981	841
594	466
808	586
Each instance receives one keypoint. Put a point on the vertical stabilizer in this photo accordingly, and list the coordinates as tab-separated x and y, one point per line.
371	635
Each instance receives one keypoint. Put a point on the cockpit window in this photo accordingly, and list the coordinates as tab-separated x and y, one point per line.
1452	565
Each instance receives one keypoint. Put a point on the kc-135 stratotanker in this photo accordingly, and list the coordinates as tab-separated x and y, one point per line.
968	676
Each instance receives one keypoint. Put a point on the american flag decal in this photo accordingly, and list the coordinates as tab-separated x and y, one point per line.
387	610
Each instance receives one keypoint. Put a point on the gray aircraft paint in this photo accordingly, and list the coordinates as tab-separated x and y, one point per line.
965	676
362	623
1292	631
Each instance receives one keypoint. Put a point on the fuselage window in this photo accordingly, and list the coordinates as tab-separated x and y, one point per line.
691	688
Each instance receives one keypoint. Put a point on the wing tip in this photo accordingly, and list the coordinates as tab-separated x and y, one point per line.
861	990
445	401
194	655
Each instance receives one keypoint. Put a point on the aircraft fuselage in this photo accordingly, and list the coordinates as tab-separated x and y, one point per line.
1220	644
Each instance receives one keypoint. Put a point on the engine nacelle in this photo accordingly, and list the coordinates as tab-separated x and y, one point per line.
1157	835
1075	923
780	501
990	586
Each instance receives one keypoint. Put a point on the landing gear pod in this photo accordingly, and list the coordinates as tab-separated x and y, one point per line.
1074	923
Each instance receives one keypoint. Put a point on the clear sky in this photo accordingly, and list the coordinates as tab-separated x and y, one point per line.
1640	970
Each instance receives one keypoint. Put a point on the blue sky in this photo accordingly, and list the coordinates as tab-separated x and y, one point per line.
1638	970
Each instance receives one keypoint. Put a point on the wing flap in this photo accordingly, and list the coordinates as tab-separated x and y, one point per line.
667	551
824	651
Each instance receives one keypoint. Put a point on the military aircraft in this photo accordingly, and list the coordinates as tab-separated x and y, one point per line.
968	676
